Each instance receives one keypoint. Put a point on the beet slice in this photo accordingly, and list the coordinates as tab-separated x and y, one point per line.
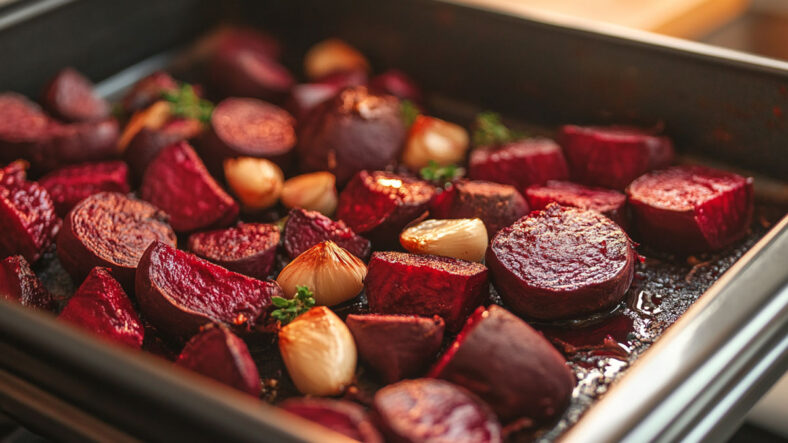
396	83
243	72
247	38
19	282
340	416
147	143
110	230
75	143
71	184
613	156
610	203
520	164
102	307
305	229
249	248
147	91
509	365
178	182
179	292
424	410
495	204
402	283
691	208
22	126
70	97
217	353
396	346
561	262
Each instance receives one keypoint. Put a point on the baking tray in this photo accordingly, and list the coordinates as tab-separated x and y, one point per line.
695	382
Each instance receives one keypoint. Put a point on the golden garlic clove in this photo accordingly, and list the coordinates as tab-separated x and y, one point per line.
432	139
333	55
256	181
463	238
315	192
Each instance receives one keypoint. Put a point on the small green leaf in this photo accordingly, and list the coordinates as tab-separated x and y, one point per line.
184	102
288	310
409	112
490	131
440	174
279	302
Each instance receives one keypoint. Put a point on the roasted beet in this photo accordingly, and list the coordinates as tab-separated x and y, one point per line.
22	126
305	229
102	307
249	248
495	204
147	91
520	164
177	182
353	131
71	184
396	83
242	72
147	143
610	203
246	38
402	283
427	410
561	262
396	346
75	143
110	230
217	353
70	97
179	292
613	156
691	208
509	365
340	416
306	96
19	282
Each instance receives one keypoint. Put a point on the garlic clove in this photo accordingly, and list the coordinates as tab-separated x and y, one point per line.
256	181
433	139
332	273
313	192
152	117
463	238
319	352
333	55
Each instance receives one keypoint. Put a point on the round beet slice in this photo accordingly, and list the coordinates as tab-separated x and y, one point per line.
148	90
71	184
70	97
75	143
249	248
22	126
340	416
561	262
610	203
244	72
110	230
425	410
495	204
691	208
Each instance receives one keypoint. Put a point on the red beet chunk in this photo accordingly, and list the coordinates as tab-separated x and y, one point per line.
434	410
22	126
397	83
509	365
178	182
396	346
495	204
250	39
219	354
691	208
520	164
70	185
70	97
340	416
306	96
402	283
305	229
561	262
249	248
147	91
110	230
613	156
75	143
243	72
19	282
611	204
179	292
147	143
102	307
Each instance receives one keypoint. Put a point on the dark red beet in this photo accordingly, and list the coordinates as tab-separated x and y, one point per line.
242	72
509	365
249	248
22	126
305	229
402	283
249	39
427	410
147	143
561	262
495	204
396	83
306	96
110	230
70	97
613	156
343	79
396	346
75	143
520	164
179	292
691	208
340	416
611	204
70	185
219	354
102	307
147	91
19	282
178	182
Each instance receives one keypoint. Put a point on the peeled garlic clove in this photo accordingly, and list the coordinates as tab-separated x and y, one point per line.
332	273
463	238
433	139
256	181
319	352
313	192
152	117
333	55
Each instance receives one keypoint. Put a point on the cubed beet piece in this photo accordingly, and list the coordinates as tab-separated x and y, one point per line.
71	184
70	97
495	204
75	143
23	125
520	164
249	248
610	203
148	90
147	143
305	229
340	416
19	282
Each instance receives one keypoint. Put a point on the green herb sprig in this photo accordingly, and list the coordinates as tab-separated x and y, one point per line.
409	112
288	310
490	131
440	174
184	102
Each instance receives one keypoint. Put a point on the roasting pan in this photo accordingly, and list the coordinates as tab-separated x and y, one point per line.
722	107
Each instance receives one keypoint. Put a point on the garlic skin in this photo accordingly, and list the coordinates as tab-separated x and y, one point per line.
433	139
152	117
319	352
257	182
463	238
333	55
332	273
314	192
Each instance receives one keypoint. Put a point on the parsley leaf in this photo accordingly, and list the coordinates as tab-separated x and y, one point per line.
490	131
288	310
441	174
184	102
409	112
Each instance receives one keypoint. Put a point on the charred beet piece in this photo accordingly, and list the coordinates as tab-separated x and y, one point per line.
529	378
19	282
70	97
402	283
340	416
147	143
495	204
305	229
177	182
219	354
611	204
22	126
396	346
613	156
147	91
691	208
75	143
561	262
110	230
102	307
424	410
520	164
243	72
396	83
353	131
249	248
70	185
179	292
